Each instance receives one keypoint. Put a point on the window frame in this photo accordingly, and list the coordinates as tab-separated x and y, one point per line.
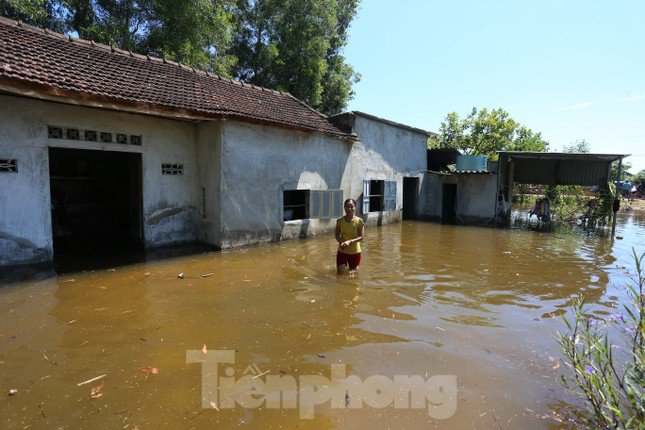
385	198
305	205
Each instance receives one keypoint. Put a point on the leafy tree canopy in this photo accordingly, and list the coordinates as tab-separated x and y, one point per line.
638	178
483	132
289	45
624	173
580	146
296	46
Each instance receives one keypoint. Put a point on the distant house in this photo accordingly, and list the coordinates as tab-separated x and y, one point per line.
103	147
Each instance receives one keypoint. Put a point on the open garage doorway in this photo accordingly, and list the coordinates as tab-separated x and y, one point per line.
96	202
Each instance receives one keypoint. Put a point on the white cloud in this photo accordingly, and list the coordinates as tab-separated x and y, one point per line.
635	97
577	106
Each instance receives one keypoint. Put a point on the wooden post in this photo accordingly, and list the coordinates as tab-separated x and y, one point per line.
616	198
499	174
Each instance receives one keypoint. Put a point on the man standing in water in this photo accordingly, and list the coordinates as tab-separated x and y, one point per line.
350	230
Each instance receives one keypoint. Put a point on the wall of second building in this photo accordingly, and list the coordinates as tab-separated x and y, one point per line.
432	195
390	153
476	197
169	201
258	164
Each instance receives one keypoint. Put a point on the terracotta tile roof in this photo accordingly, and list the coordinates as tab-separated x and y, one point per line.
78	69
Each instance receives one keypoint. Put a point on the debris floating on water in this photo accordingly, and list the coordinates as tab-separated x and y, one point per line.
96	391
91	380
52	362
205	275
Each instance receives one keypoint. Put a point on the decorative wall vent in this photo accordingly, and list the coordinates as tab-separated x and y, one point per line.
72	133
106	137
172	169
91	135
8	165
54	132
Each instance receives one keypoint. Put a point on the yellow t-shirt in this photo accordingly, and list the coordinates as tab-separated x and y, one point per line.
349	230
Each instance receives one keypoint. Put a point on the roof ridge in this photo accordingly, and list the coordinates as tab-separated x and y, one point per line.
142	57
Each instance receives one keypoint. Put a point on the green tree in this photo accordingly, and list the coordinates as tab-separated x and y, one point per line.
613	172
197	33
295	46
483	132
289	45
580	146
638	178
340	77
48	14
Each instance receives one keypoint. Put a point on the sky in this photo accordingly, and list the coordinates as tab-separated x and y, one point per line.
569	69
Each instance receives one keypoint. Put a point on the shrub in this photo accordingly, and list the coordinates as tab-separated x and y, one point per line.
609	376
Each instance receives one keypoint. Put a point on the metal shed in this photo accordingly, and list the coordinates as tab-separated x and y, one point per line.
551	168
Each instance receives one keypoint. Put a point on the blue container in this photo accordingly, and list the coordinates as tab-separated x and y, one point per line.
471	163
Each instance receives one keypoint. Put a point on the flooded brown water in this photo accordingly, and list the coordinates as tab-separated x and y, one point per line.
477	303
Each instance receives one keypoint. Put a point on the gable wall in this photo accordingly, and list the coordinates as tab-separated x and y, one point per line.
387	152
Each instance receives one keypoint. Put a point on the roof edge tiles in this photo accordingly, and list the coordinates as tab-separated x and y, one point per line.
39	63
394	123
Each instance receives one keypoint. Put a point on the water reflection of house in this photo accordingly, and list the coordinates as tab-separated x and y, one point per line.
103	147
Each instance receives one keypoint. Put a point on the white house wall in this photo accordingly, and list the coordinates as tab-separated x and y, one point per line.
258	163
209	167
234	174
386	152
476	197
169	201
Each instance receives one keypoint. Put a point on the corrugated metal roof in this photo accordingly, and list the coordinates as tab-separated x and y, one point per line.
550	168
562	156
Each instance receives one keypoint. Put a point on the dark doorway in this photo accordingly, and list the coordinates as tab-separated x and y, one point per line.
448	200
96	201
410	186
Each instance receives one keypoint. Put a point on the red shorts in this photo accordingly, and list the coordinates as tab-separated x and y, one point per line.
351	260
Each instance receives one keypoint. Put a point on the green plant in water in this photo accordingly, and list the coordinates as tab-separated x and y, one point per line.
604	207
609	377
567	200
